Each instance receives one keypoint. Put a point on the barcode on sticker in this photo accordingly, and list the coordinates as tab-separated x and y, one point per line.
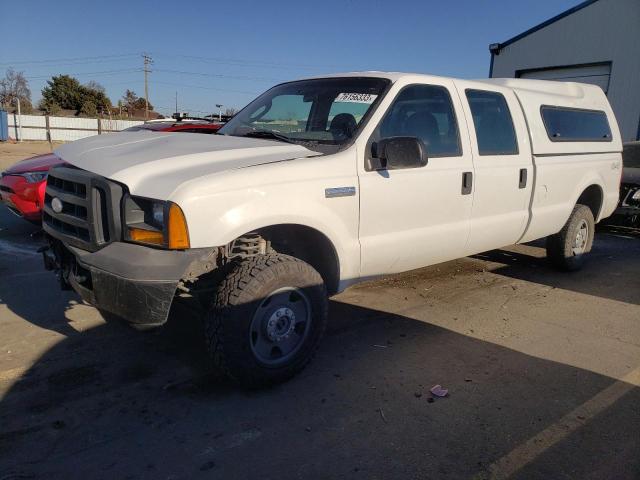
356	98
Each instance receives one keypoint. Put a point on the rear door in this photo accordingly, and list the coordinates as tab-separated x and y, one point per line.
503	166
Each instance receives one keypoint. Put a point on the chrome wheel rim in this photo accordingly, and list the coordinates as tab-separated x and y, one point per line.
280	325
582	237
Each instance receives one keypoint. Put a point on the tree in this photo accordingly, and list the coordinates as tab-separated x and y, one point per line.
133	102
140	104
93	85
50	108
230	112
14	86
66	92
88	109
129	100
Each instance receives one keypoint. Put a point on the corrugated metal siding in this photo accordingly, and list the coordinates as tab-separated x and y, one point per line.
66	129
592	74
605	31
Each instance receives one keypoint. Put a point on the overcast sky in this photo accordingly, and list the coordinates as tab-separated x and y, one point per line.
227	52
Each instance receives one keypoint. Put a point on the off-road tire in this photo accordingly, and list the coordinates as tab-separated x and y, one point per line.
560	245
228	319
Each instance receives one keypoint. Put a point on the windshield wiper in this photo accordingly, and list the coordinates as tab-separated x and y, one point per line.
269	134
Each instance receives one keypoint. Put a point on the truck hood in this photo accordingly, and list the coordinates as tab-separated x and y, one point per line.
155	164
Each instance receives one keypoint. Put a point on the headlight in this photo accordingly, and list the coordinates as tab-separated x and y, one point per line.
34	177
155	222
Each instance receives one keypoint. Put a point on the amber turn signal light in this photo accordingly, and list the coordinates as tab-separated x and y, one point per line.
177	229
146	236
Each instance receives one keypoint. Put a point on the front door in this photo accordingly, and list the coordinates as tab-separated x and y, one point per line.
419	216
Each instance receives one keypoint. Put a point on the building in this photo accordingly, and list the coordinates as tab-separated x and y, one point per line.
596	42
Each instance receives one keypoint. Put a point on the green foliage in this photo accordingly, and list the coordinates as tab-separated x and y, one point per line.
68	93
132	102
140	105
88	109
50	108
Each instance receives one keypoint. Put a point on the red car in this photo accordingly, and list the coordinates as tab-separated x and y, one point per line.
22	185
186	126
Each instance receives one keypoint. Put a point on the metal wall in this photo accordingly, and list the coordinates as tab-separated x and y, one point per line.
66	129
603	31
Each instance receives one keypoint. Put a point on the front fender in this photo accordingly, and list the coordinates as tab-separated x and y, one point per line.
222	209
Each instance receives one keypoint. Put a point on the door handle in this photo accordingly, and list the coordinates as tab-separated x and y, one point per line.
467	182
523	178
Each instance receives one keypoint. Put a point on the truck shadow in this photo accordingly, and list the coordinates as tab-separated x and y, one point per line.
111	402
611	270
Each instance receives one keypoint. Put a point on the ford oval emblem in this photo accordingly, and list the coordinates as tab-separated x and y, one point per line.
56	205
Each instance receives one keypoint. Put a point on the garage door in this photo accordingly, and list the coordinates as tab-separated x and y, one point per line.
593	74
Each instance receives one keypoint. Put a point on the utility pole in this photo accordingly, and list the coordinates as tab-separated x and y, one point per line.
176	101
219	111
147	61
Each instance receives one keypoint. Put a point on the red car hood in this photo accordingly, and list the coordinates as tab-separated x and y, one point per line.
40	163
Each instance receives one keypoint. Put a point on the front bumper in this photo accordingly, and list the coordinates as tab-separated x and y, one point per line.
131	281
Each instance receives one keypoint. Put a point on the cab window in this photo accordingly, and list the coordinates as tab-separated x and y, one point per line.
426	112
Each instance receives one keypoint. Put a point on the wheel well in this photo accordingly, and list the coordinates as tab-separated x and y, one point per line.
308	245
592	197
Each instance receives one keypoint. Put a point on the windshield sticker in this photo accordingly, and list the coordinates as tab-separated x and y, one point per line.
367	98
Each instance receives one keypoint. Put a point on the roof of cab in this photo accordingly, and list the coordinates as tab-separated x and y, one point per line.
547	87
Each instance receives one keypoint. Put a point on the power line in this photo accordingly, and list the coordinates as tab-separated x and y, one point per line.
247	63
58	60
104	72
219	75
174	84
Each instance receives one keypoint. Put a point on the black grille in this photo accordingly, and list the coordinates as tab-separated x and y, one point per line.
88	208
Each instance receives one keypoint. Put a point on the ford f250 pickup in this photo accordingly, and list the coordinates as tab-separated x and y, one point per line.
318	184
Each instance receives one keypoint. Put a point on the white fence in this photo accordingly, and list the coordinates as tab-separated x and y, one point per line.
65	129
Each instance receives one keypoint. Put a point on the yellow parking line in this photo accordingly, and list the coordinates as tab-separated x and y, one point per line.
536	445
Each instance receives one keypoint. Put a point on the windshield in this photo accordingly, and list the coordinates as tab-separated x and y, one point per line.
327	111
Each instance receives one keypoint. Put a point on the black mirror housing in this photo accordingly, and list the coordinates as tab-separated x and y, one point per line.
396	153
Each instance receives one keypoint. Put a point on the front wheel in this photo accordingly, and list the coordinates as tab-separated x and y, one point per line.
267	318
566	249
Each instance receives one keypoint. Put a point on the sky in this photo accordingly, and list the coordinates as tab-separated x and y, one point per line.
228	52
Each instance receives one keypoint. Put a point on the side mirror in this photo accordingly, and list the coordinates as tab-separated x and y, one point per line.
396	153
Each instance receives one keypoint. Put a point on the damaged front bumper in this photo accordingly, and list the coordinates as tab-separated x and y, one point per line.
131	281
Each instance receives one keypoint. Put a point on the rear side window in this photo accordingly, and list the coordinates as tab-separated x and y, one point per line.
575	125
494	125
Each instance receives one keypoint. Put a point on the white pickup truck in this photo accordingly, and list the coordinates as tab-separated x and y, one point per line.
321	183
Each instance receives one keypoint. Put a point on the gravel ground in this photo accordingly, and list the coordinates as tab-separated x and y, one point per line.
543	372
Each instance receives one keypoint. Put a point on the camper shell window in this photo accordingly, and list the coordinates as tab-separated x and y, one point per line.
565	124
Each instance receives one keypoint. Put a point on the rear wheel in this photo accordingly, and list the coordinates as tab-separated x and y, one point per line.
567	249
267	319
